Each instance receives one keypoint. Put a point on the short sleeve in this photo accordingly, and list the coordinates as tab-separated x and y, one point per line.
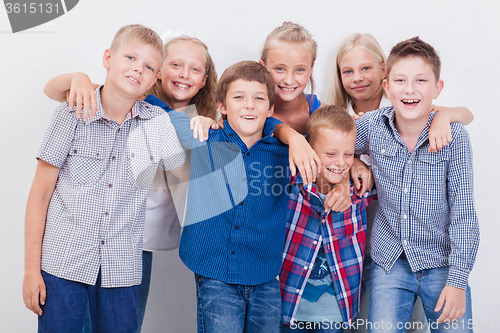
58	136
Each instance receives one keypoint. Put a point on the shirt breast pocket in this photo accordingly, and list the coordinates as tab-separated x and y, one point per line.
85	165
346	227
142	166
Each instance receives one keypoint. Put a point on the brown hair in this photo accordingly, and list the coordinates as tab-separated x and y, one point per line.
247	71
291	33
330	117
204	100
140	33
415	47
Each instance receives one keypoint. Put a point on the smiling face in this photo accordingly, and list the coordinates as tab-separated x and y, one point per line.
131	68
183	73
335	149
361	74
246	107
411	87
291	66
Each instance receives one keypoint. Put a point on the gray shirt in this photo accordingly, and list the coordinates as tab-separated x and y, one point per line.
95	219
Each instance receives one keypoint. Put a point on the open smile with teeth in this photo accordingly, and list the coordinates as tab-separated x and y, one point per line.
336	171
410	101
288	89
181	85
132	79
249	117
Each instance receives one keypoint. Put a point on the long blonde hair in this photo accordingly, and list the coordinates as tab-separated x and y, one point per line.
291	33
337	94
204	100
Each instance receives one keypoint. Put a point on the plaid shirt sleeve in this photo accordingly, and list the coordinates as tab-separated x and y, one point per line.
464	226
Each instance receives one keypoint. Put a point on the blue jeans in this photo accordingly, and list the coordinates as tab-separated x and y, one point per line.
310	327
359	324
147	263
232	308
393	294
113	310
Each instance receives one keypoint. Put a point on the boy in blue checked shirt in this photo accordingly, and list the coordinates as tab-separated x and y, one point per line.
86	207
234	228
321	277
426	234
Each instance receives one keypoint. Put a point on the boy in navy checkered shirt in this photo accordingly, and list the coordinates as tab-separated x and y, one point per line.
86	207
425	235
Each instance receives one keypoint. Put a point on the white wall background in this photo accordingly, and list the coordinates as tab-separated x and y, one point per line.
466	34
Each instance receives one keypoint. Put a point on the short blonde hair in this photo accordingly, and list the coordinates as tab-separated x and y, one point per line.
138	33
204	100
329	117
291	33
337	94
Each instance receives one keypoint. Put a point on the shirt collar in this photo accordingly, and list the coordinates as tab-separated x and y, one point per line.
235	138
139	109
389	114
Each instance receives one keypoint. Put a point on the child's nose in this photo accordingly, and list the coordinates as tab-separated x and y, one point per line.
288	78
358	76
249	103
184	72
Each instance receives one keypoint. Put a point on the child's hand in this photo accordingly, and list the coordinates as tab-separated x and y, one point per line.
200	126
34	292
357	116
219	124
453	300
360	171
82	94
338	199
304	157
439	132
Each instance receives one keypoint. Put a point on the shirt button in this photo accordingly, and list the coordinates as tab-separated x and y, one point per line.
97	154
230	135
315	242
151	158
382	151
405	242
409	161
237	227
241	203
106	213
232	252
118	130
404	216
323	220
113	158
75	151
102	242
248	154
305	267
110	185
297	291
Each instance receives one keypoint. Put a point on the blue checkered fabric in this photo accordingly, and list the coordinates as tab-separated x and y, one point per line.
426	199
95	218
234	228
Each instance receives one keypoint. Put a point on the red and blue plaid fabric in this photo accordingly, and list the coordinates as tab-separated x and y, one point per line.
343	238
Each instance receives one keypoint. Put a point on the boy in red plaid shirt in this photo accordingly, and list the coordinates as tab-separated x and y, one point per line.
321	277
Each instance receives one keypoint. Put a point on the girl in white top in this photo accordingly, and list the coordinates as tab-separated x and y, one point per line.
357	86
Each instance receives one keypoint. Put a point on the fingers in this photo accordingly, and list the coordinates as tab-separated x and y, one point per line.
86	109
292	166
93	103
31	300
70	97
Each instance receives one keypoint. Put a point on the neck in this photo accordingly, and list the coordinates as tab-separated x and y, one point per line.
410	130
324	187
115	106
284	108
176	105
367	105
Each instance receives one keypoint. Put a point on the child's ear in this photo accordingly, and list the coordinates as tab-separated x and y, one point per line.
439	88
262	62
385	84
106	59
221	108
158	75
270	112
384	73
204	81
